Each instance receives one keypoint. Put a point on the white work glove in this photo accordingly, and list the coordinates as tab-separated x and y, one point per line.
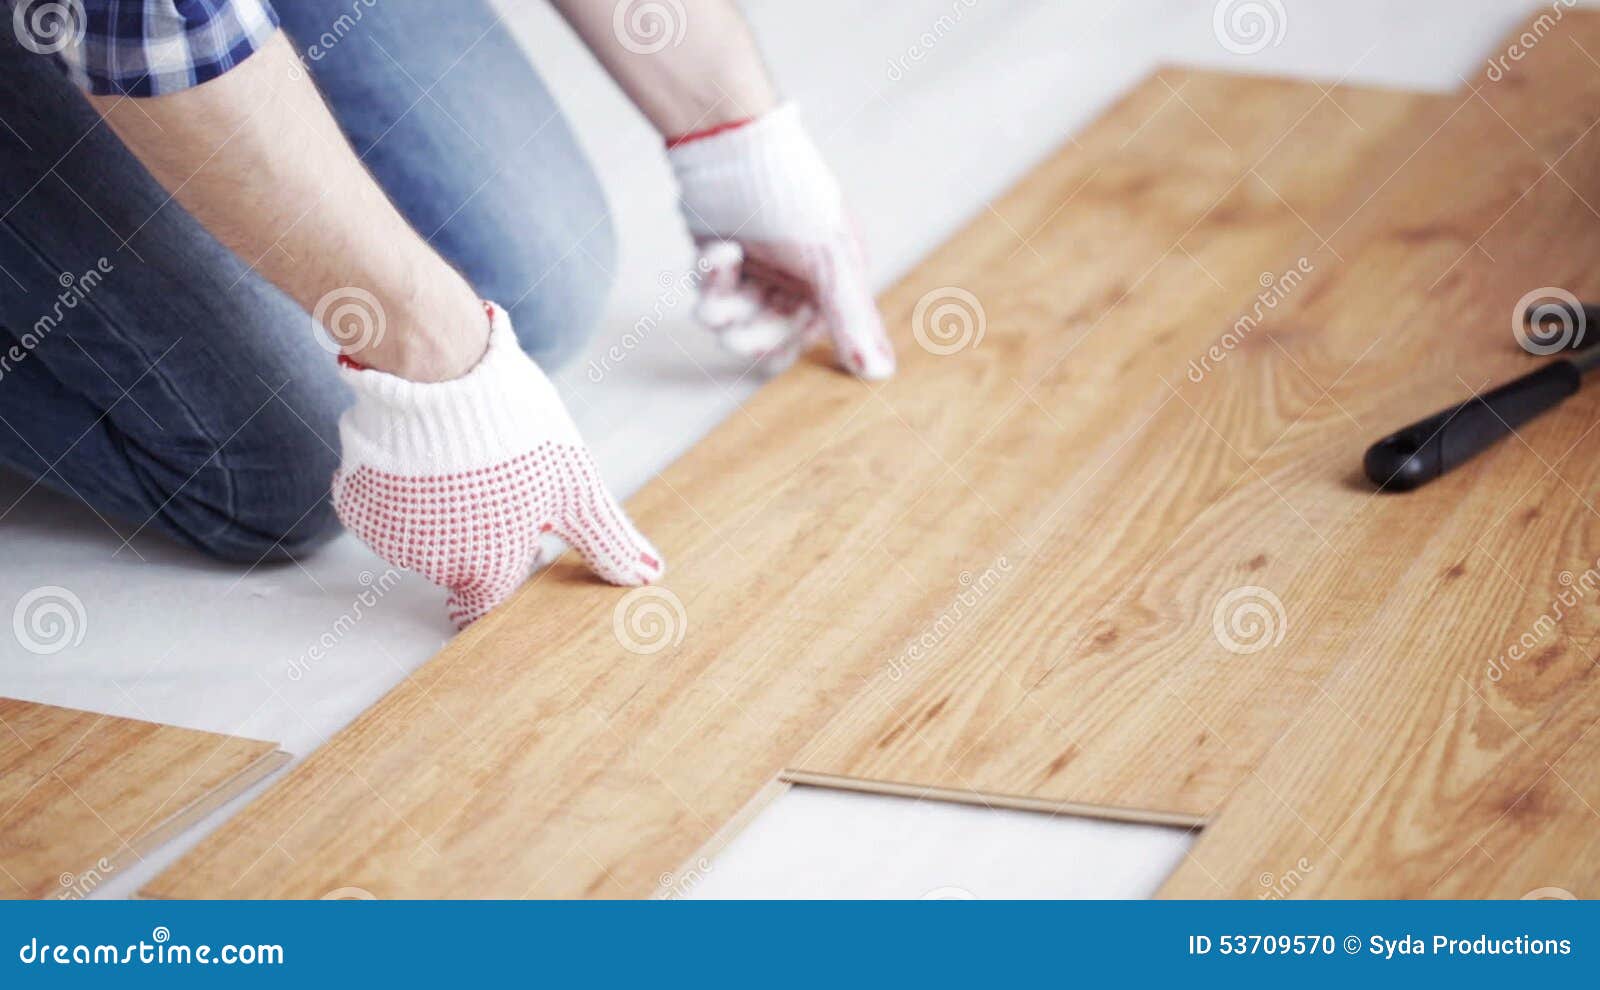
459	480
781	261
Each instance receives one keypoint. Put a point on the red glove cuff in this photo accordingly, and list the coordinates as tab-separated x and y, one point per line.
683	139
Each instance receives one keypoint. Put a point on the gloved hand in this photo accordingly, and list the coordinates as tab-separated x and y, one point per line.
781	261
458	480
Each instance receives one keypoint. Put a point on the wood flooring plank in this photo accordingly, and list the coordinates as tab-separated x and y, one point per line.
818	529
1241	498
1450	750
84	795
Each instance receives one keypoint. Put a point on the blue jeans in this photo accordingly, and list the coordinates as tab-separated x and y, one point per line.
145	370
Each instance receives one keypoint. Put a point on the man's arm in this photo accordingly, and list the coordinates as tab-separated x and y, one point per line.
457	454
685	75
781	261
255	156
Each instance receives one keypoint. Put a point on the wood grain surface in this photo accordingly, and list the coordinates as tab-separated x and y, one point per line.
567	746
1129	677
1451	749
84	795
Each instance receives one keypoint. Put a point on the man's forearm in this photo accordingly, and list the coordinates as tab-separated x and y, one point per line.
685	74
255	156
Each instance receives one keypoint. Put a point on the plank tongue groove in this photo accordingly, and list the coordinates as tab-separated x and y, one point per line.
538	756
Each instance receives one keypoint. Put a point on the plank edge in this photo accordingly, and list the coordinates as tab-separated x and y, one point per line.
1009	802
729	830
184	818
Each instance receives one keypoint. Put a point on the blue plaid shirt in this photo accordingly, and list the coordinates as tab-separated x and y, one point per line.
144	47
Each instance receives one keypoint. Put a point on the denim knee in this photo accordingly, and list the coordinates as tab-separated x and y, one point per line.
275	507
555	282
263	495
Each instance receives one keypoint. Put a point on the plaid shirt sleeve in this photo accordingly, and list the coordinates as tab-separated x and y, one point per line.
144	47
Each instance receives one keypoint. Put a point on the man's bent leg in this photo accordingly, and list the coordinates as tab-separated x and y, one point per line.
143	367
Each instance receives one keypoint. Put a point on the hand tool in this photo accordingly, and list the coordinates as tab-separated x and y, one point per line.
1415	455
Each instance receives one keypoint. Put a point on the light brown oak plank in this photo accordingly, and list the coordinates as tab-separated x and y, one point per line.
1419	769
1431	761
1107	683
84	795
537	756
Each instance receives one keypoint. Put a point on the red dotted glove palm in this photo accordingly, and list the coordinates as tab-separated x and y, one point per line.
782	263
460	480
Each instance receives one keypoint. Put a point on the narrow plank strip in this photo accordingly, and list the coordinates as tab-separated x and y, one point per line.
83	795
815	532
1452	749
1012	802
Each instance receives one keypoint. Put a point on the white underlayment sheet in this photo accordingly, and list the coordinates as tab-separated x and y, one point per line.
818	843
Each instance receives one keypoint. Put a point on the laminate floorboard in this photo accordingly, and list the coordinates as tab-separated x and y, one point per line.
1450	748
81	794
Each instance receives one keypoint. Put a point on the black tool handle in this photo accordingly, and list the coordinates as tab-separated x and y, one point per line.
1421	452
